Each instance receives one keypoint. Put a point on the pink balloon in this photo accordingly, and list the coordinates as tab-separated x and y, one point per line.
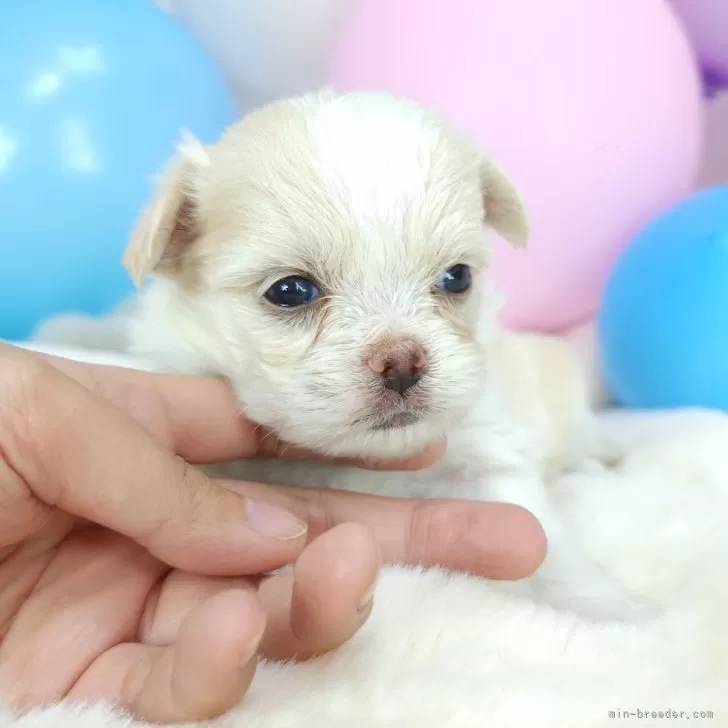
594	108
707	25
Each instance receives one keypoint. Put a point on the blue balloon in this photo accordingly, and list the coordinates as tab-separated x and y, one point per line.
93	95
663	324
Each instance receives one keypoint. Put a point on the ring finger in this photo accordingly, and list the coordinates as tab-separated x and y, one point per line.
312	608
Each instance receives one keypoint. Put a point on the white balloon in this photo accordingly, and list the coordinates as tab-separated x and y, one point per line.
267	48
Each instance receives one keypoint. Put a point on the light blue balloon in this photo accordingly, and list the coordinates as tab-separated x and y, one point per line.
663	325
93	95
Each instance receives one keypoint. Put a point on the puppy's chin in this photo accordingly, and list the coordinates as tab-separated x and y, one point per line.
384	443
359	441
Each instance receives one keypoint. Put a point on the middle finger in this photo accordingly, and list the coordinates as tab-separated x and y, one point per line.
492	540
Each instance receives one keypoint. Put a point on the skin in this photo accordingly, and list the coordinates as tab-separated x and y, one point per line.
127	574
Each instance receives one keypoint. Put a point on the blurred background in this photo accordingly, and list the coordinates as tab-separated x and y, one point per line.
610	115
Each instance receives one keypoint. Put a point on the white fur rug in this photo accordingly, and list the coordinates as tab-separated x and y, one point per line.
445	650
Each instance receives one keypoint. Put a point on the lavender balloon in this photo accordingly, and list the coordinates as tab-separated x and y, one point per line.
706	22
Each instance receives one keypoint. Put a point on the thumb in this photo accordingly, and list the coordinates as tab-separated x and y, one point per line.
76	452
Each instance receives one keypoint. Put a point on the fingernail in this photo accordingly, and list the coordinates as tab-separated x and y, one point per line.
365	605
273	521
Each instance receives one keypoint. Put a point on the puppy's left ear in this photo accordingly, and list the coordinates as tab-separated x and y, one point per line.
504	209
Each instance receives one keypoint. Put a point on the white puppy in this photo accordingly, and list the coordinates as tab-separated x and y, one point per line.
330	256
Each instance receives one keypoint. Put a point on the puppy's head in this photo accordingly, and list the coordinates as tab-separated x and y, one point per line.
327	257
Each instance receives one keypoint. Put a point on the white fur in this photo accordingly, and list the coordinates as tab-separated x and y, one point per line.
449	650
372	197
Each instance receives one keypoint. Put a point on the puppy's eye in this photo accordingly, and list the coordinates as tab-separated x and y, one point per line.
292	292
455	280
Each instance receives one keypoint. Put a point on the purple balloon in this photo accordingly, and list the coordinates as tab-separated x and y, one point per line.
712	84
706	22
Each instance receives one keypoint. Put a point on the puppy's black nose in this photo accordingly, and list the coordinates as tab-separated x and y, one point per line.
400	382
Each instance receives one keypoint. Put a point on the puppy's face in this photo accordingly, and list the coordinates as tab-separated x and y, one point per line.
327	256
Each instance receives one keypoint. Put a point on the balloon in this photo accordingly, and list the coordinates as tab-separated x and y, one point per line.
594	109
267	48
707	24
714	169
92	99
663	321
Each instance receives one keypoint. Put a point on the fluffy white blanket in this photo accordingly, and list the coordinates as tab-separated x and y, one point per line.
443	650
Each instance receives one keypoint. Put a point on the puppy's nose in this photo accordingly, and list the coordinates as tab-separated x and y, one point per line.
400	363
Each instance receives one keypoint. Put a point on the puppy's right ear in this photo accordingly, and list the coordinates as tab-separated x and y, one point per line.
170	223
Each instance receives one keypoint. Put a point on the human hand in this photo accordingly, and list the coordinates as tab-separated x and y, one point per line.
126	574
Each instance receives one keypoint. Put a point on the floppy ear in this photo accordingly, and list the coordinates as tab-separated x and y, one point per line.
504	209
169	224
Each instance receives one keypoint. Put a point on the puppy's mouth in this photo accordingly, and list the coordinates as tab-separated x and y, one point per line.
394	412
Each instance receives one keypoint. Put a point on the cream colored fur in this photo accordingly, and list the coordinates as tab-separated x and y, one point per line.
372	197
452	650
446	650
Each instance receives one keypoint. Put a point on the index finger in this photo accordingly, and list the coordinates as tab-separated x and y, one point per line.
201	417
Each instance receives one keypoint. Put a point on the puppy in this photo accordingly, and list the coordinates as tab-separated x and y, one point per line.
329	255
